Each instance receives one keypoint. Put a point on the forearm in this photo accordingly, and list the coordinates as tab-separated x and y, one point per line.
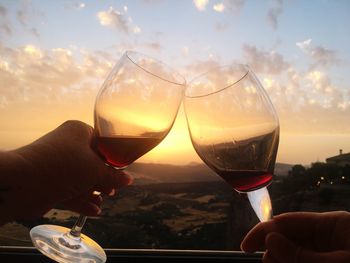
26	182
12	168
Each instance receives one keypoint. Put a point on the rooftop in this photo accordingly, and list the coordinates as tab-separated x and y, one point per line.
340	157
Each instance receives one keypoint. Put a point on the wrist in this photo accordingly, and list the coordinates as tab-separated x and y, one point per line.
36	159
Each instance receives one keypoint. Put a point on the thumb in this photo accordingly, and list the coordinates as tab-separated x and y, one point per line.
285	251
281	249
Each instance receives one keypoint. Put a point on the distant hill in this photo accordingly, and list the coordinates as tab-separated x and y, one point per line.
145	173
150	173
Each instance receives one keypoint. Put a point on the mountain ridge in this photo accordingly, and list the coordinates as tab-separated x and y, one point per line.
151	173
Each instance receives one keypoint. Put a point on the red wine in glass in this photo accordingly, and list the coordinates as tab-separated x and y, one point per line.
246	180
246	165
121	151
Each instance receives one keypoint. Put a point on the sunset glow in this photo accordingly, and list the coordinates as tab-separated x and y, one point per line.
55	55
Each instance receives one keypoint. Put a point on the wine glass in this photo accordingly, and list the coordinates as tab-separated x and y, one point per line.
235	130
134	111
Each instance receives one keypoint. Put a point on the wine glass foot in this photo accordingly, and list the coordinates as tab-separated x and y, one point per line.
57	243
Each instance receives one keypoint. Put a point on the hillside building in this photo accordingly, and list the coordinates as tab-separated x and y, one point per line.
342	159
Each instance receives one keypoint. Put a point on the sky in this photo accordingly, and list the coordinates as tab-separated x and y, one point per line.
55	55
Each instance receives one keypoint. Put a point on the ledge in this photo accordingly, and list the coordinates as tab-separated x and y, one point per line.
30	254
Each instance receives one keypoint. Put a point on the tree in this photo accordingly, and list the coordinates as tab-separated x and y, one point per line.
298	170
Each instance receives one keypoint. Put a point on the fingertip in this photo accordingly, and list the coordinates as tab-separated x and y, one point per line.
249	244
245	247
255	239
86	208
92	210
124	179
98	210
112	192
112	180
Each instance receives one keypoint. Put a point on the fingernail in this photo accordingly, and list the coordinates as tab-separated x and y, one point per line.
128	179
112	193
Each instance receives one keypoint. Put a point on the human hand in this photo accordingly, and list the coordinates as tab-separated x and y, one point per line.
303	237
59	168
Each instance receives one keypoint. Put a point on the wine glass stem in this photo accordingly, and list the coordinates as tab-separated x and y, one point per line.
78	226
261	203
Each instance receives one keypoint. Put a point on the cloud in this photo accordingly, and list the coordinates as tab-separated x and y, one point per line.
322	88
185	50
136	30
3	11
153	45
29	73
273	14
34	32
200	66
324	57
26	14
22	17
74	6
219	7
320	55
152	2
113	18
4	24
201	4
229	5
222	26
307	102
234	5
304	45
264	62
6	28
117	20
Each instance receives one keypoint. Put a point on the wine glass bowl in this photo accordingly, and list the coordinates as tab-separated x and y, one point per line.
135	108
134	111
233	126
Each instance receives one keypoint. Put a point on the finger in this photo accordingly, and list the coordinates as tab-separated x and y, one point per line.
340	256
267	258
115	179
282	249
302	225
83	207
285	251
87	203
298	224
89	209
255	239
96	199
